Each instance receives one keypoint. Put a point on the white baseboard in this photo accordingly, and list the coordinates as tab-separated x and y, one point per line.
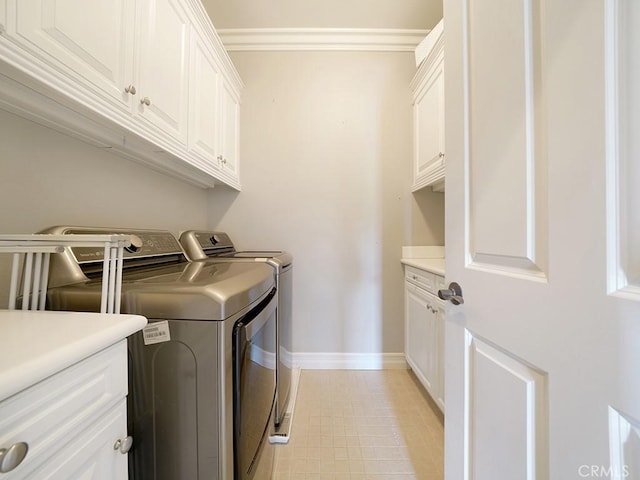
350	361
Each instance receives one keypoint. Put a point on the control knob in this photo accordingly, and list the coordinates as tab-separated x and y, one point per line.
136	244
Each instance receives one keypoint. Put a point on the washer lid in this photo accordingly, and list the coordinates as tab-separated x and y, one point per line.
190	291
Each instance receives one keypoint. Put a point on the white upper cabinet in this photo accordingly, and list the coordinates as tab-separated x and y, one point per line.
204	103
428	116
163	62
142	77
98	53
229	137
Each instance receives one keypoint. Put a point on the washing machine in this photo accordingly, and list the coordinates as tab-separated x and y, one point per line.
217	247
202	389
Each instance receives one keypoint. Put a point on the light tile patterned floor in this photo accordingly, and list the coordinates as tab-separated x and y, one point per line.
362	425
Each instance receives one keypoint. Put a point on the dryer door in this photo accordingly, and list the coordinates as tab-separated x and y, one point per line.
254	364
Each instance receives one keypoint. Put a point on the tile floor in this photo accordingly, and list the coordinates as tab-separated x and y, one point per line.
364	425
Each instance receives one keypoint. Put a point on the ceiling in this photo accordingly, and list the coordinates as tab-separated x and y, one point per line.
394	14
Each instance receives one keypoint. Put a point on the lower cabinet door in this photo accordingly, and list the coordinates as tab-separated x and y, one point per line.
91	454
420	336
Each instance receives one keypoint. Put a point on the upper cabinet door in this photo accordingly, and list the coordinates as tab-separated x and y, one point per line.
429	124
229	136
428	115
163	60
204	117
92	45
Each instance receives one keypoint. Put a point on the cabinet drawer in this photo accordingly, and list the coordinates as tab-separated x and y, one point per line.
421	278
55	410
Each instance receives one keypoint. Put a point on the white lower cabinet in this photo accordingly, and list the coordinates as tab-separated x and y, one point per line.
70	422
424	332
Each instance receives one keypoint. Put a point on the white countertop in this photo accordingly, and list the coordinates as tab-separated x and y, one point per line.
36	345
428	258
433	265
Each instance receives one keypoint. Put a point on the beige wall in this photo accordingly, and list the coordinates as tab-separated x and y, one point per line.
47	178
326	146
326	13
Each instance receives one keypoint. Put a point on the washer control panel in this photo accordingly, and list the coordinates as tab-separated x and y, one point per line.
144	243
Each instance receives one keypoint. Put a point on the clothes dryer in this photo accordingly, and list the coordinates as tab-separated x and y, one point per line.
217	247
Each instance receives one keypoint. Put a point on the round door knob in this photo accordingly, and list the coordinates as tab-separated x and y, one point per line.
123	445
13	456
145	101
130	89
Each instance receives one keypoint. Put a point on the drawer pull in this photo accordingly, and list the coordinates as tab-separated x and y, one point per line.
124	444
13	456
145	101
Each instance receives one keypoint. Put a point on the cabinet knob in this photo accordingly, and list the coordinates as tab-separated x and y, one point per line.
441	155
130	89
145	101
224	161
123	444
13	456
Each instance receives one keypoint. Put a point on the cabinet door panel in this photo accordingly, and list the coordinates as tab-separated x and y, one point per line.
419	337
429	123
163	66
229	135
91	455
97	51
204	104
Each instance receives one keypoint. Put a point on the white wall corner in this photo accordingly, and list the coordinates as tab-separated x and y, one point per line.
321	39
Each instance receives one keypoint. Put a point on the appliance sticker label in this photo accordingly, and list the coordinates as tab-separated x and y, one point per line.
156	332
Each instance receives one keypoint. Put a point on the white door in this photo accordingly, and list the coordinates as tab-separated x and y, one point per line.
543	235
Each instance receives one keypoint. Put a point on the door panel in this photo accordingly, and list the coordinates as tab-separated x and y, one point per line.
507	213
163	66
204	103
623	146
506	412
229	135
99	51
541	186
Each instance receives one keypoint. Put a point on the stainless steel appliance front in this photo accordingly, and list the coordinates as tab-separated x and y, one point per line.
217	247
181	396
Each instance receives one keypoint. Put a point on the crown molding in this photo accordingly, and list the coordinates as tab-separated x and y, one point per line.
321	39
